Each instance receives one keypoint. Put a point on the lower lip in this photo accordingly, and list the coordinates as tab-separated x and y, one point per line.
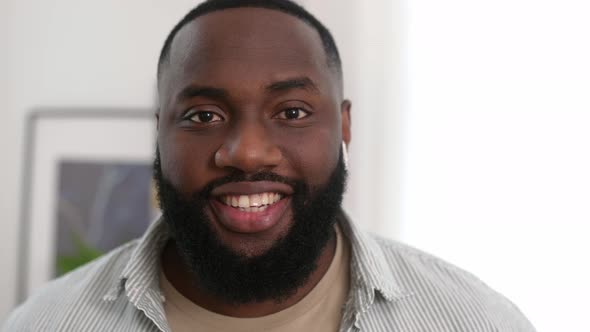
249	222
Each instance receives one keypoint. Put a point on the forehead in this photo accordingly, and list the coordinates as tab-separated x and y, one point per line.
249	43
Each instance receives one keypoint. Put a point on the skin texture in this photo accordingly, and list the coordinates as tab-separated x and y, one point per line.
249	68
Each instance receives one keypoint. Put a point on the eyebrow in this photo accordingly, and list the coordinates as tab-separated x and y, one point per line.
202	91
303	83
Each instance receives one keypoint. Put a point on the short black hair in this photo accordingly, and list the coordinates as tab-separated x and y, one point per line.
285	6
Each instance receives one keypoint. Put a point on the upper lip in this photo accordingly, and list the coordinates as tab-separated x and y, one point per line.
250	188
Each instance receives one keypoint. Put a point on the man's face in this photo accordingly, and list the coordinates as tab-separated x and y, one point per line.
247	91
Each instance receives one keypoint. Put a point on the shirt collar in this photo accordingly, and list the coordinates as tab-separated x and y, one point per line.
140	277
142	269
370	269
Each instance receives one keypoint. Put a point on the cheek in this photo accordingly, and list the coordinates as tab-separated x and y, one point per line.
314	153
185	160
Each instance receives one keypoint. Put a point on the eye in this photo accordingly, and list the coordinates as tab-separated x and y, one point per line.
293	113
203	117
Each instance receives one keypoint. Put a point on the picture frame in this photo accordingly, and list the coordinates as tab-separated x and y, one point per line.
72	141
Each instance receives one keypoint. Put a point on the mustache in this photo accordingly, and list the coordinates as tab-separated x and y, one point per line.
299	186
237	176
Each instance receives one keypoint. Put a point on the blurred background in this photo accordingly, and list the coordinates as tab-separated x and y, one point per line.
471	125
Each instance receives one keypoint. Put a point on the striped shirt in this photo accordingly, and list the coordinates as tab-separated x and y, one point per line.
393	287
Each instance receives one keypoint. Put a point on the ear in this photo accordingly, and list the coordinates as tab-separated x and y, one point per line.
345	116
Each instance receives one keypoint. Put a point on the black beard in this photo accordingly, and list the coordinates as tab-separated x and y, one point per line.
235	277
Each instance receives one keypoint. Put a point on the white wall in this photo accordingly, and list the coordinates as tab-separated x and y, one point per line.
496	148
7	174
103	54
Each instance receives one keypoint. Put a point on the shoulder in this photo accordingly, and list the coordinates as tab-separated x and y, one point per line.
446	294
75	296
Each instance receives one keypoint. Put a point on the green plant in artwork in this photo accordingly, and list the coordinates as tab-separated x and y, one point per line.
84	253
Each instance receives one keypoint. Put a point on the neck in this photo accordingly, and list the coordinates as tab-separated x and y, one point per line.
182	279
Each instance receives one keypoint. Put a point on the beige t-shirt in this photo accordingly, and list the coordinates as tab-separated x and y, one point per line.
320	310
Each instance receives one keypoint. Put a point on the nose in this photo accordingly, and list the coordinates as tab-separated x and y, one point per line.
249	149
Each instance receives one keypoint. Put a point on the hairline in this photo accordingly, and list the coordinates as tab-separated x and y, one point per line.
333	62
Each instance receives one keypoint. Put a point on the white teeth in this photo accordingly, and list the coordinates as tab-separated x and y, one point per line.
244	201
255	200
274	198
251	203
255	208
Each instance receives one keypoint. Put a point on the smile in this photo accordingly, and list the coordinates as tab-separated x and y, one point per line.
251	203
251	207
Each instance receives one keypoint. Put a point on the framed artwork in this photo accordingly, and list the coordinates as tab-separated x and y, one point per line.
87	188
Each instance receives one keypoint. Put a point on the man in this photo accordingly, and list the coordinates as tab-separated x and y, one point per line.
251	168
